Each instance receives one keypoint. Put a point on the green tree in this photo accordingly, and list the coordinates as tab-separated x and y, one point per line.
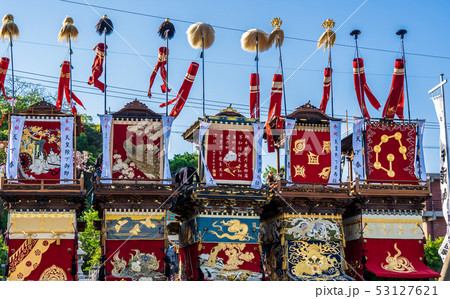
182	160
90	240
3	257
432	256
91	140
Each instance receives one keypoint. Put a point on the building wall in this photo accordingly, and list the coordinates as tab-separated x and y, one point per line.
434	225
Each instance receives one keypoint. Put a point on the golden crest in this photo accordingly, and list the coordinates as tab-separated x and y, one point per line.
398	263
314	261
234	251
325	174
299	170
313	159
299	145
326	147
390	157
53	273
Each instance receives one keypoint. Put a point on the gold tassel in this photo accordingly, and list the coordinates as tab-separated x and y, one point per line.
198	31
68	31
199	246
9	28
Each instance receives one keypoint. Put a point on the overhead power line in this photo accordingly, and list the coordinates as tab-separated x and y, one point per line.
242	30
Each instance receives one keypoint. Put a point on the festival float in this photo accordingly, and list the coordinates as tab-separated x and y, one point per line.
383	227
42	194
219	210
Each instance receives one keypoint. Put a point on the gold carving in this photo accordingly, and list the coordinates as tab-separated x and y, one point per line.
53	273
390	157
148	223
398	263
299	170
314	262
328	23
120	224
325	174
299	145
239	230
326	147
235	255
276	23
313	159
135	231
140	264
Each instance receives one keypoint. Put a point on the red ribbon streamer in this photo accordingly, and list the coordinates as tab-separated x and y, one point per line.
274	109
161	65
396	99
3	69
326	89
97	67
183	92
254	95
365	89
64	87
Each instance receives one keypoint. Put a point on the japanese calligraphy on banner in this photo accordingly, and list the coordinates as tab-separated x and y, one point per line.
66	149
421	172
167	127
391	151
207	175
335	139
137	149
40	150
15	136
357	163
310	154
105	123
230	153
257	143
289	126
444	183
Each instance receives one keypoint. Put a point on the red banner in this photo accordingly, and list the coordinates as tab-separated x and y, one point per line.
40	150
41	259
310	154
134	259
397	259
137	148
229	155
391	151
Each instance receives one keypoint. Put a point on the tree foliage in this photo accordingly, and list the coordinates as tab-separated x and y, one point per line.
3	257
90	240
182	160
432	256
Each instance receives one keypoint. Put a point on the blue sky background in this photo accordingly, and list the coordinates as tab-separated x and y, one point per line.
133	53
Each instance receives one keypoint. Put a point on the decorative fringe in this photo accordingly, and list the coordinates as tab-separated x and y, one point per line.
277	35
68	31
104	25
9	28
198	31
248	40
166	26
327	39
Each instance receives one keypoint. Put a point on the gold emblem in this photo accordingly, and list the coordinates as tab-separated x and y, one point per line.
234	251
325	174
53	273
299	170
313	159
398	263
148	223
326	147
238	230
390	157
313	261
299	145
120	224
135	231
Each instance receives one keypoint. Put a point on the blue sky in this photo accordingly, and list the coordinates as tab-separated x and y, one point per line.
134	45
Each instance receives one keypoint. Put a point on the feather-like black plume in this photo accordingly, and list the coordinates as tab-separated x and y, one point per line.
105	24
166	26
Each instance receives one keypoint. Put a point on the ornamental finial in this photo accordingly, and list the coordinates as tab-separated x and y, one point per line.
276	23
328	23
